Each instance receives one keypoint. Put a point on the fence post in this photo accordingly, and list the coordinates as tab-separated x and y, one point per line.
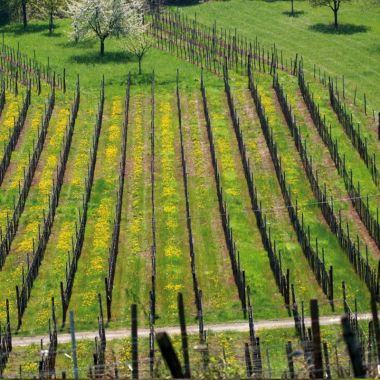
73	345
353	348
185	346
289	351
316	332
248	362
376	326
327	361
169	354
135	357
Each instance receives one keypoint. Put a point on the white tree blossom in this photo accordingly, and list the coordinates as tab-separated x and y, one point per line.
106	18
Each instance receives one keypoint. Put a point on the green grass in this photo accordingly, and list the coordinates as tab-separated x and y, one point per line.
353	52
36	203
135	230
353	161
173	252
220	298
9	187
226	354
272	203
301	190
93	263
52	270
253	257
132	282
323	163
83	59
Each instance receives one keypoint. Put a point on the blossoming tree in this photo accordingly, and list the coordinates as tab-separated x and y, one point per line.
106	18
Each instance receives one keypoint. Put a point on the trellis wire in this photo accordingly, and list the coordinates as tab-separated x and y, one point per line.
12	224
24	291
76	248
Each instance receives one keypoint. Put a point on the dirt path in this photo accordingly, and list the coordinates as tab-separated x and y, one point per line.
193	329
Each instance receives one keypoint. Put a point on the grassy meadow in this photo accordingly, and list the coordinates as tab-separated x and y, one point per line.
308	34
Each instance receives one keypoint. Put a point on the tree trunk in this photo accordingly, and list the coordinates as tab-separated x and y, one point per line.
102	47
24	18
140	71
336	18
292	1
51	24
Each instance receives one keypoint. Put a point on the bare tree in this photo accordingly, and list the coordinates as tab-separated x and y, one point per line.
138	45
334	5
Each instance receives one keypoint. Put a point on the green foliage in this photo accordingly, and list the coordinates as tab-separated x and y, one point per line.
8	10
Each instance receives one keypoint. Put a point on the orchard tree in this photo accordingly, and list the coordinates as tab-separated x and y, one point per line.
138	44
16	8
5	12
48	8
292	7
52	7
13	9
106	18
24	14
334	5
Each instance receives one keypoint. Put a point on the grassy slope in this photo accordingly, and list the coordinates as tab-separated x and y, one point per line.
53	268
272	202
326	169
253	257
300	189
135	230
36	202
220	299
83	58
172	255
19	158
309	35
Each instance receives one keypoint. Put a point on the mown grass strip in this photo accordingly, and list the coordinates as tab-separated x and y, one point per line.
272	203
173	262
13	179
53	268
36	203
212	261
325	167
93	264
132	282
307	205
242	221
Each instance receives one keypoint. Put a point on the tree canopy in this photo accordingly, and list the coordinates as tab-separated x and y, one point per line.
106	18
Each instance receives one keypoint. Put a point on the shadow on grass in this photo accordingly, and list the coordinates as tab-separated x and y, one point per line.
182	3
342	28
95	58
52	35
18	29
140	79
295	14
85	44
375	48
